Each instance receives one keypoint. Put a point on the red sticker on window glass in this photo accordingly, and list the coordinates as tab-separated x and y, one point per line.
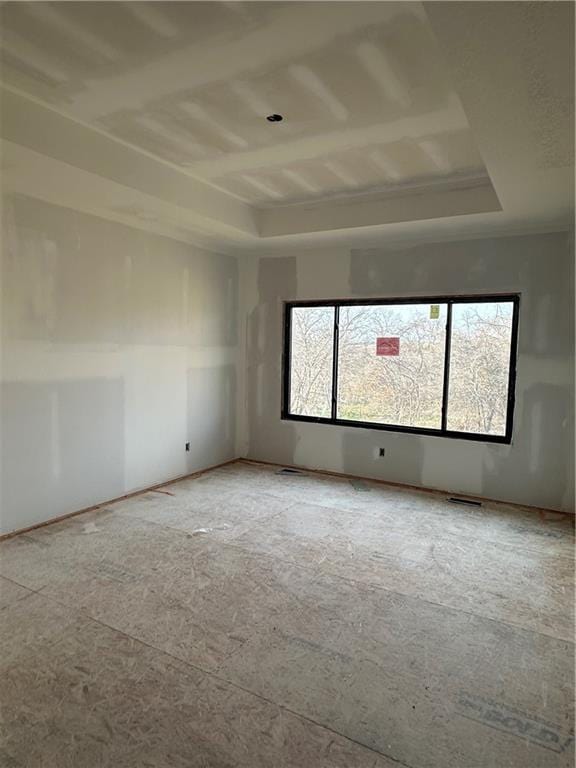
388	346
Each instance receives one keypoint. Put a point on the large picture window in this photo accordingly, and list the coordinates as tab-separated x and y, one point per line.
441	366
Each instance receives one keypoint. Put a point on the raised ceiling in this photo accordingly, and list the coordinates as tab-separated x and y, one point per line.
376	99
365	95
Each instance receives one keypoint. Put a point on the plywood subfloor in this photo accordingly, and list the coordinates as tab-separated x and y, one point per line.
248	618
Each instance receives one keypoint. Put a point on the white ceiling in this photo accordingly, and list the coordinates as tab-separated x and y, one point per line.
397	115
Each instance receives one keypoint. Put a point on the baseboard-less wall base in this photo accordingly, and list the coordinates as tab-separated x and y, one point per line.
405	486
149	488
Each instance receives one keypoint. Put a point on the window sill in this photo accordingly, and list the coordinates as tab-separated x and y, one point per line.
476	437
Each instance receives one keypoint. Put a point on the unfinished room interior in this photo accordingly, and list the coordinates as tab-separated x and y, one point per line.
287	402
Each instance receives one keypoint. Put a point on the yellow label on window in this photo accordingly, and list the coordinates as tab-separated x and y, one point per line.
434	311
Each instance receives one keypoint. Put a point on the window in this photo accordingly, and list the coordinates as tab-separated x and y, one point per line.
439	366
312	344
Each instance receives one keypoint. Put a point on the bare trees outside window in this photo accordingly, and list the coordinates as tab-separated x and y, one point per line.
479	367
433	366
311	351
403	389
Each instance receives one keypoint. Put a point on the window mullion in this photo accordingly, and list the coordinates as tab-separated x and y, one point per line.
446	383
512	368
335	343
287	362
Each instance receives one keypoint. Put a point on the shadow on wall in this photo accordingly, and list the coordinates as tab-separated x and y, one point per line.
531	473
211	416
62	447
270	438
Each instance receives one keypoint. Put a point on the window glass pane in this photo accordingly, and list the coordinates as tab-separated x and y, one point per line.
391	364
479	367
311	361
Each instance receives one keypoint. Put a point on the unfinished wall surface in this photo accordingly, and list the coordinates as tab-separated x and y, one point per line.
536	469
118	347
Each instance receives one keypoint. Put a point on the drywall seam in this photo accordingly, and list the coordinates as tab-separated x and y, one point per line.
118	348
64	139
248	301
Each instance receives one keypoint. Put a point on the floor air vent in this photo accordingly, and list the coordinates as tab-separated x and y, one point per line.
467	502
289	472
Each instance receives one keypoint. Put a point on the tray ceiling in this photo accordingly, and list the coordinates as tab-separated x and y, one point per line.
364	92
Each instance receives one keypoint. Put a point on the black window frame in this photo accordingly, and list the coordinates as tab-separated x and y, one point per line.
514	298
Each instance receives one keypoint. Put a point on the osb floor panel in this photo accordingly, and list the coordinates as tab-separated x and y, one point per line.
248	618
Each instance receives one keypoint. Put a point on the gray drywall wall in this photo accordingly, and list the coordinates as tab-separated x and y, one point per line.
536	469
118	347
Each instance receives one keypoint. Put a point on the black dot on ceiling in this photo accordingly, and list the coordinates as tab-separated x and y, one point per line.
274	118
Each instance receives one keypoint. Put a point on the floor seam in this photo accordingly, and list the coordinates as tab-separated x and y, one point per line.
272	515
185	532
447	536
24	586
277	495
215	676
17	583
295	583
350	580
